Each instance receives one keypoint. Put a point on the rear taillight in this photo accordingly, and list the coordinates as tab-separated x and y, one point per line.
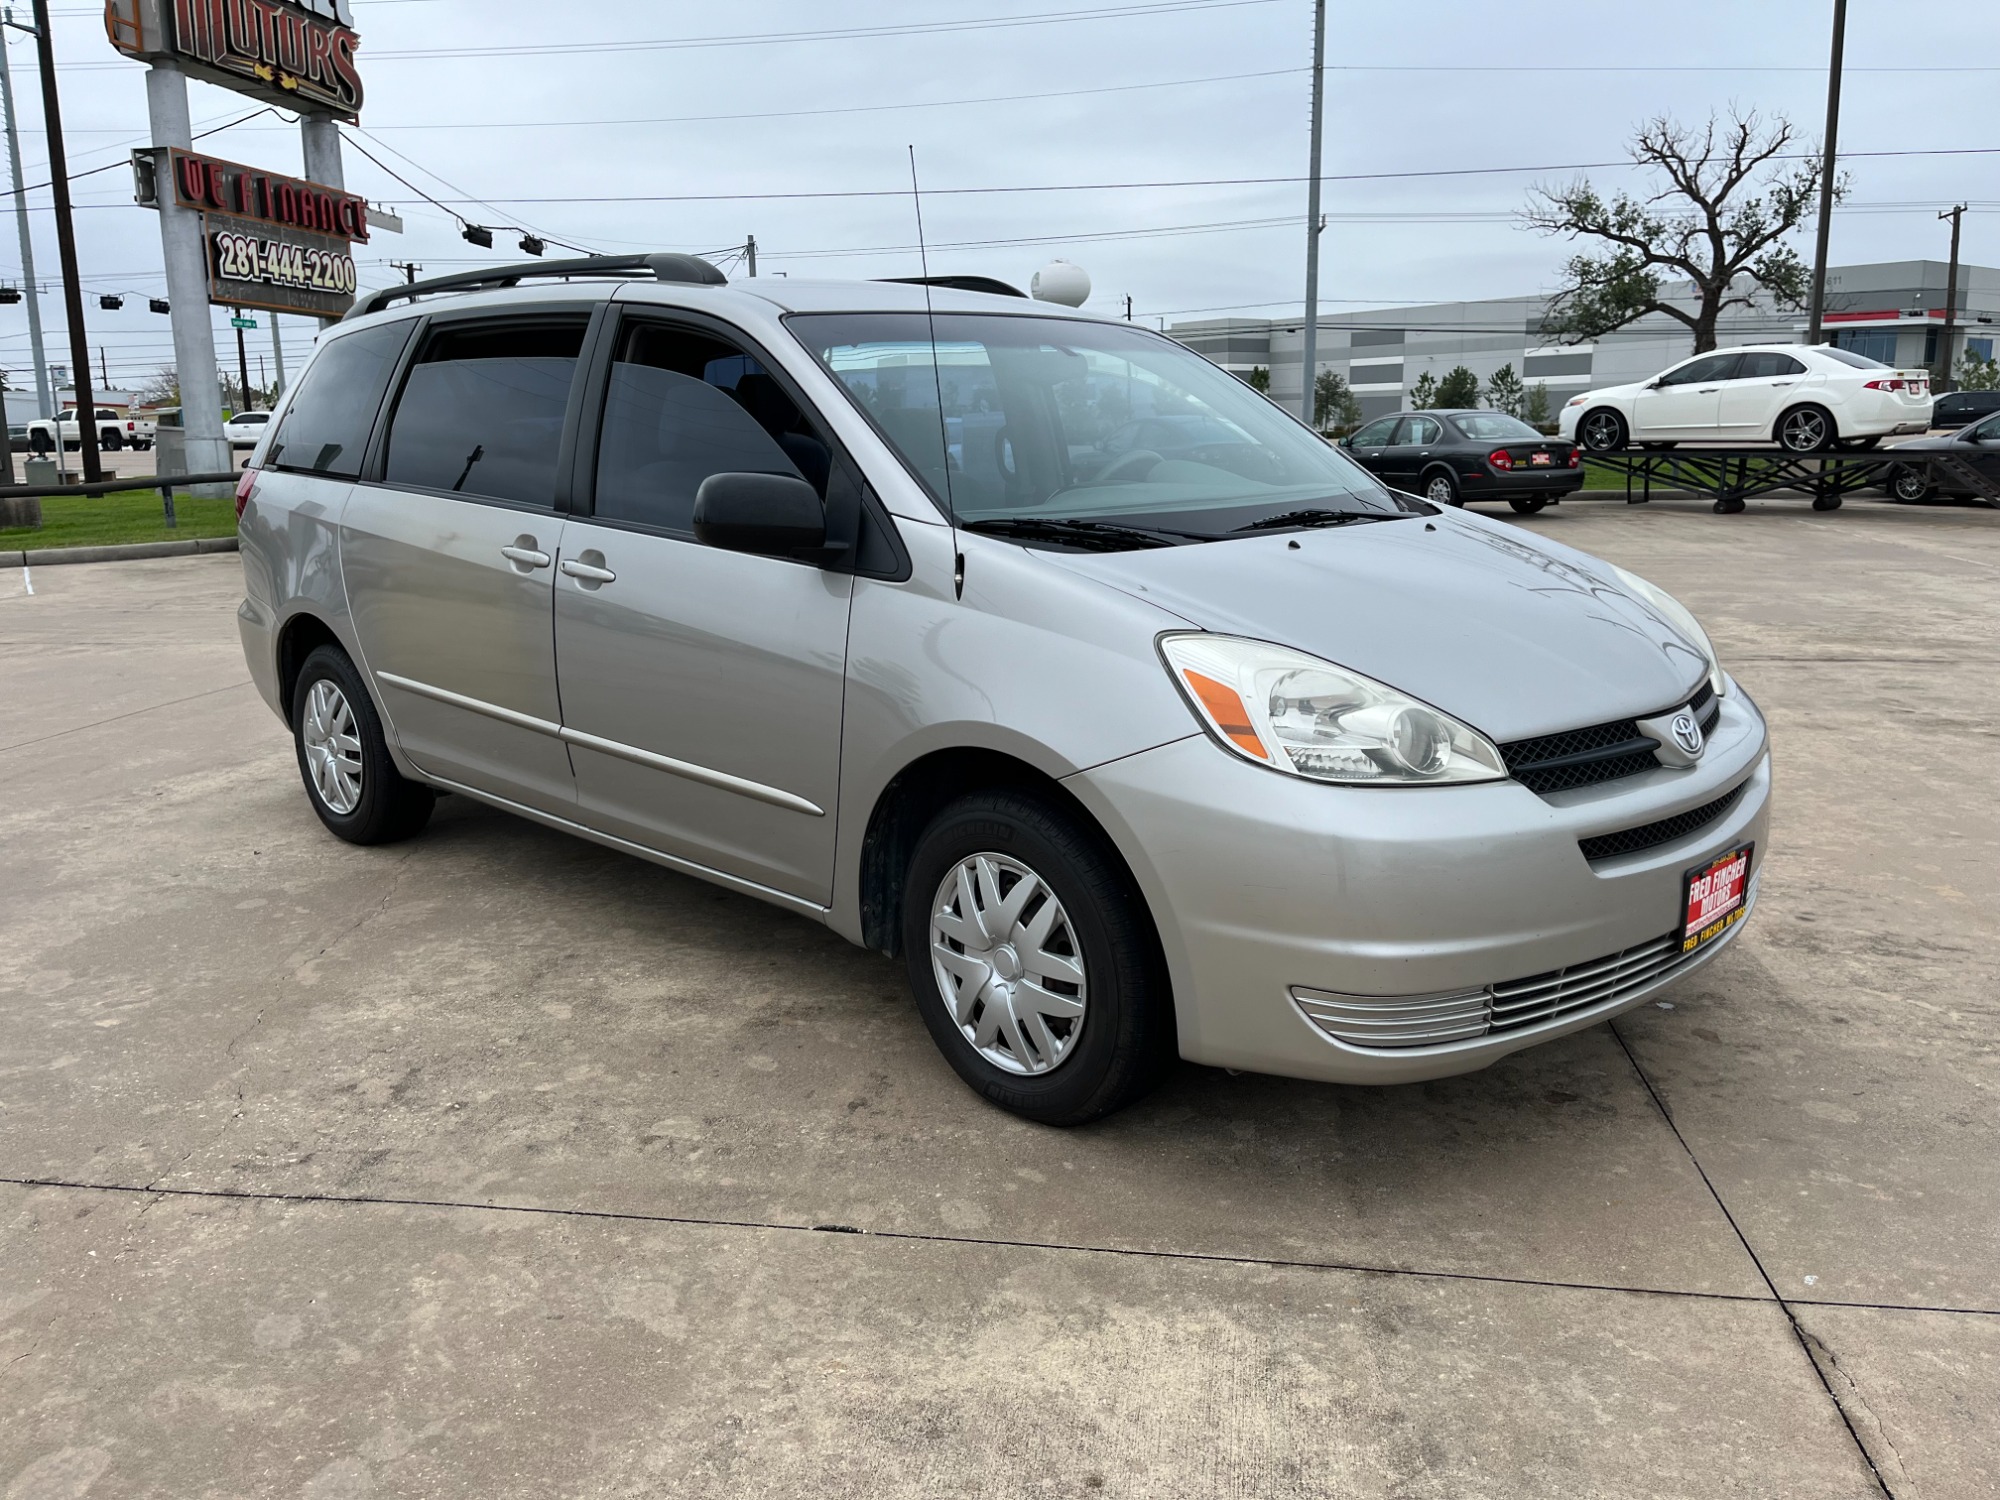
1500	458
1899	383
245	487
1575	458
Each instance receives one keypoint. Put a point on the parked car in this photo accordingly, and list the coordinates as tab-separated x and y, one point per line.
246	428
113	432
1452	457
1291	774
1806	399
1978	445
1961	408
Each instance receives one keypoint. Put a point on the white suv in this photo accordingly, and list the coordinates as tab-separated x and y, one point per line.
1805	399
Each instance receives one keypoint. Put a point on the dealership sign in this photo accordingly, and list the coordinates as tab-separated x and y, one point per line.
207	185
295	53
280	270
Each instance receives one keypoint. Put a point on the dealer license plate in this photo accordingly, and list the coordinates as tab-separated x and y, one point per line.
1542	460
1715	894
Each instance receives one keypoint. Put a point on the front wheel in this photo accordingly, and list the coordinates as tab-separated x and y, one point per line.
344	759
1806	429
1440	488
1527	505
1602	431
1033	960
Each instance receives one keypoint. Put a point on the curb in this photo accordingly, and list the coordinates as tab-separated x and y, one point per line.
36	557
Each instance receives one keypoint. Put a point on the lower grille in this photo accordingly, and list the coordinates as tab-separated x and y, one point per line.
1666	831
1517	1005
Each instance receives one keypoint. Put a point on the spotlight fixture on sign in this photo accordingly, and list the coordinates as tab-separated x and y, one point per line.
111	302
159	305
531	245
475	234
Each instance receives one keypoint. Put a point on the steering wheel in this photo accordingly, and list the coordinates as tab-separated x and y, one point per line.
1120	467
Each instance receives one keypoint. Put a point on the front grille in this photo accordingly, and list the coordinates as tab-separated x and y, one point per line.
1603	984
1665	831
1601	752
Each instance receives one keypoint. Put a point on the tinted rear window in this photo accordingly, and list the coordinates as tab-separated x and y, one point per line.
1849	357
327	425
1495	427
482	411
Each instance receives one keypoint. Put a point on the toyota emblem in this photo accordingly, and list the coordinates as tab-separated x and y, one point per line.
1686	733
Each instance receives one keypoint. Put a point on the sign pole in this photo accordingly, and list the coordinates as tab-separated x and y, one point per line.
319	142
79	339
277	359
44	394
242	365
187	283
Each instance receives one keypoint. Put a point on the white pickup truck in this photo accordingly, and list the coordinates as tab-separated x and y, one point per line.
113	432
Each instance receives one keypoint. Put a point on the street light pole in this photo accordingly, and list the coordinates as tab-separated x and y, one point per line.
79	338
45	402
1309	355
1826	170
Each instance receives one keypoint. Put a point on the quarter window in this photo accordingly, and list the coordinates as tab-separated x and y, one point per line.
482	411
326	427
683	405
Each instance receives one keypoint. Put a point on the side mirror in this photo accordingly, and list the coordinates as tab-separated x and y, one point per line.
772	515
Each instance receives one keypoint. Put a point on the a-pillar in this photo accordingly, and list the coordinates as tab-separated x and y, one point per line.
186	257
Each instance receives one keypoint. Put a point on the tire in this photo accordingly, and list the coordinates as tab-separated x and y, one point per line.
366	800
1911	486
1440	487
1728	507
110	442
1806	429
39	444
1527	505
1861	444
1826	502
1602	430
1659	447
1058	1068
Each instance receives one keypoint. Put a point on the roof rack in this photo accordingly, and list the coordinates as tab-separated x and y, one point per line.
660	267
987	284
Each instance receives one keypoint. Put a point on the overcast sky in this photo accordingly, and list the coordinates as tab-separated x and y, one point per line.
1185	90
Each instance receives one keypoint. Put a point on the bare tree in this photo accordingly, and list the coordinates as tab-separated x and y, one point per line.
1733	193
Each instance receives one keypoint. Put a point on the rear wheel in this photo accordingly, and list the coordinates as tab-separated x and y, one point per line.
1603	431
110	440
1806	429
1033	960
1527	505
1910	485
344	759
1440	488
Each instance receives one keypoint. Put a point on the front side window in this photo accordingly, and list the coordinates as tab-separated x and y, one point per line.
683	405
1376	434
482	411
326	426
1700	371
1026	419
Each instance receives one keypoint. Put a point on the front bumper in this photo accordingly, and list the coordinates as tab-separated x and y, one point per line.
1266	888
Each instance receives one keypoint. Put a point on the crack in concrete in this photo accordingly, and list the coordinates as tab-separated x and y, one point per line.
1830	1369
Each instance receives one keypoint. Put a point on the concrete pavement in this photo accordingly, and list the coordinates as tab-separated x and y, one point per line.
499	1164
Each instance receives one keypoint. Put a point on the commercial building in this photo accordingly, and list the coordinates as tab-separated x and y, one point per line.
1893	312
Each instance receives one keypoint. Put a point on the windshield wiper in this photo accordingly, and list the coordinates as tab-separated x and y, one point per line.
1105	535
1314	518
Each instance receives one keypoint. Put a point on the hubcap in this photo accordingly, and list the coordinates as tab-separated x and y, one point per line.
1440	491
1805	430
1601	432
333	748
1008	964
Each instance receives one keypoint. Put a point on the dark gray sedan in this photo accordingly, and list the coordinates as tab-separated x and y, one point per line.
1452	457
1978	445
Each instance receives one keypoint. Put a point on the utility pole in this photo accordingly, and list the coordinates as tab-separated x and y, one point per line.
409	268
79	337
1309	355
242	364
750	254
1941	375
45	405
1128	309
104	365
277	359
1826	171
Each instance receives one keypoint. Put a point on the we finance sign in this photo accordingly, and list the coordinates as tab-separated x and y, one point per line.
293	53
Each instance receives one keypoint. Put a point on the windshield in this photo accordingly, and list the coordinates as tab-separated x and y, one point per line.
1493	427
1050	419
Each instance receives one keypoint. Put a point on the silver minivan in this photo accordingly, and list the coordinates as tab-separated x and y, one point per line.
1026	646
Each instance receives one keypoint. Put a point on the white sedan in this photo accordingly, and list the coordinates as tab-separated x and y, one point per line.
1805	399
246	428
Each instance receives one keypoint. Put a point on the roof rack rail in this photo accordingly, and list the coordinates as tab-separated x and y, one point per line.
987	284
660	267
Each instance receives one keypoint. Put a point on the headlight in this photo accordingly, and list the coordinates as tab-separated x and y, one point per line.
1577	400
1306	717
1681	618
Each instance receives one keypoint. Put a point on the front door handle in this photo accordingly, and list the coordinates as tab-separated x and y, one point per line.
525	554
588	573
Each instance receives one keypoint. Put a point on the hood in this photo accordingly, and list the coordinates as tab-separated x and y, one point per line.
1515	635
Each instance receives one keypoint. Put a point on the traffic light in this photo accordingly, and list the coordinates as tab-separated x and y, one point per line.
476	235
